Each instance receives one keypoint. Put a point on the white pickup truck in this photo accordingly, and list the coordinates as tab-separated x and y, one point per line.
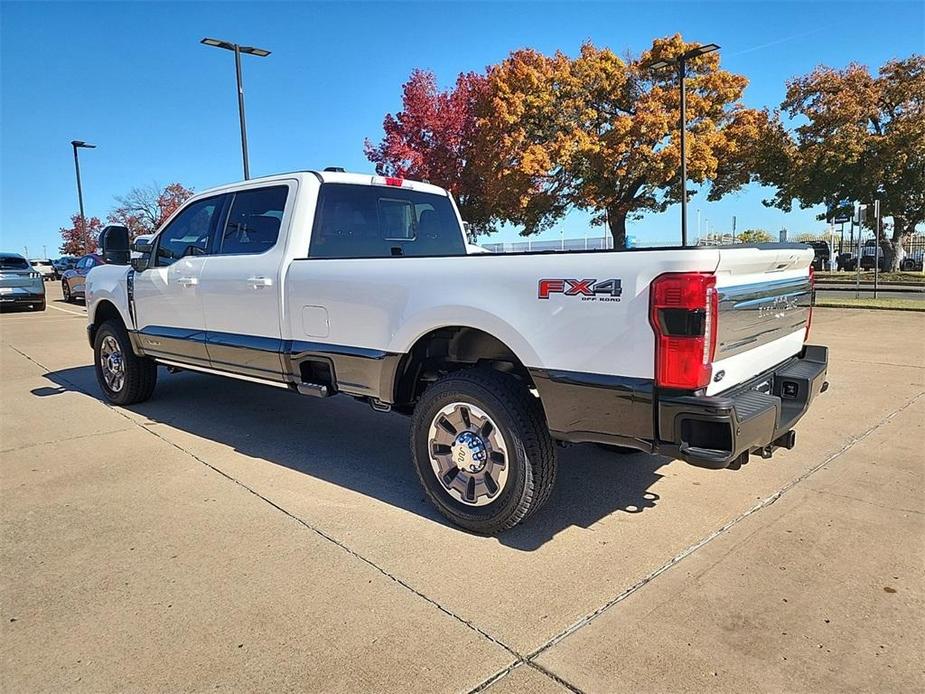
330	282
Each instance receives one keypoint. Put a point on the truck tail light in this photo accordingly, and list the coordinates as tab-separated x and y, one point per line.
812	300
683	313
393	181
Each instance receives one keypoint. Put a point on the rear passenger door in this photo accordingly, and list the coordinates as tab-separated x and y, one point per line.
241	282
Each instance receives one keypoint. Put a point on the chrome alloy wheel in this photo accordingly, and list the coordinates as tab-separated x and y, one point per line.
468	454
112	364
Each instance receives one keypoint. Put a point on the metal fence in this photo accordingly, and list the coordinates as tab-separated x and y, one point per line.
847	247
588	243
844	249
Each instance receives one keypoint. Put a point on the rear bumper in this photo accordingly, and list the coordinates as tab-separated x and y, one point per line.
21	298
721	431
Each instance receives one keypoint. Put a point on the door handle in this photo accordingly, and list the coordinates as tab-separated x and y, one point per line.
188	281
258	282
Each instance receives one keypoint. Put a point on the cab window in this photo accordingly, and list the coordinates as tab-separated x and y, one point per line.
189	233
359	221
254	221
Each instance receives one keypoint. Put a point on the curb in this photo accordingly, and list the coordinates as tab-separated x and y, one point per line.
850	287
907	309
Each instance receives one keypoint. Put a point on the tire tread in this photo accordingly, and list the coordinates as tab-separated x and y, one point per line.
530	423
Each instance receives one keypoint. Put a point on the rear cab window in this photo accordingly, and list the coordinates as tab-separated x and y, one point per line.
362	221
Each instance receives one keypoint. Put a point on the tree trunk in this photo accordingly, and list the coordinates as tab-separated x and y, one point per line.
617	222
899	230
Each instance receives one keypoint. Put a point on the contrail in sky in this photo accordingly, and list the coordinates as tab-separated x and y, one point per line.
775	42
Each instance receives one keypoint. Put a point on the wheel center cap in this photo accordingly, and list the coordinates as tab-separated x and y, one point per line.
469	452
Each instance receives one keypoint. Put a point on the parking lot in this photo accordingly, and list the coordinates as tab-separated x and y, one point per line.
229	536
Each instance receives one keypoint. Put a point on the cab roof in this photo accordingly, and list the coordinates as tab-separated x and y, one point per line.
329	177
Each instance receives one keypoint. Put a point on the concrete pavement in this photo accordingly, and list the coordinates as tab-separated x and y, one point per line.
228	534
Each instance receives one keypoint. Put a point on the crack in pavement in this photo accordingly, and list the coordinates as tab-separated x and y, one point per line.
279	508
520	659
897	509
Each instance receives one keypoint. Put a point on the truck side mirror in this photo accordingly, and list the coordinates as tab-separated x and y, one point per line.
115	245
141	250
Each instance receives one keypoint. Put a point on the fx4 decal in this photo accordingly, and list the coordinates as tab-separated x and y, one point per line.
588	290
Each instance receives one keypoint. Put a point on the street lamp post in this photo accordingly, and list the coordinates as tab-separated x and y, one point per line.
238	50
78	144
681	63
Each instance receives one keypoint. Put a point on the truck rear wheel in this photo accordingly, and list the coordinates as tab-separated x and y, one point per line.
124	378
482	450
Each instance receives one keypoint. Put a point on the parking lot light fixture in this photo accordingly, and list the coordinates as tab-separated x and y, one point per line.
681	64
238	50
80	144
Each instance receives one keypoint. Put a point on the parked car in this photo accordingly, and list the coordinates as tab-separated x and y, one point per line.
846	261
913	262
872	255
64	264
44	267
821	255
73	281
20	283
328	282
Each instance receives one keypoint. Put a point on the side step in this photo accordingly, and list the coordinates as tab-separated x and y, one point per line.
315	390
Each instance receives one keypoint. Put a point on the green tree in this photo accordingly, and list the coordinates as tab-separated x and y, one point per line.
861	137
753	236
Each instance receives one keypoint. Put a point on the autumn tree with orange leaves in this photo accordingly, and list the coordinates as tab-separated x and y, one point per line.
601	133
142	210
861	138
81	237
539	135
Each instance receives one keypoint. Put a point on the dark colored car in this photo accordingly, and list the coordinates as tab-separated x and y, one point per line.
871	255
821	256
72	281
20	283
62	265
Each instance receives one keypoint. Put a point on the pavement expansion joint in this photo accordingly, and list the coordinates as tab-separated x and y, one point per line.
764	503
519	659
309	526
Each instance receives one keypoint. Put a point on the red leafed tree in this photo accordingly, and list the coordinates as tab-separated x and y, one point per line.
80	239
144	209
431	139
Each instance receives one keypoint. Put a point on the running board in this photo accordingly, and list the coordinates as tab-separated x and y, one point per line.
315	390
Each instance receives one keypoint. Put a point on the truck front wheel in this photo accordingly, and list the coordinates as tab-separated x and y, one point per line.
482	450
123	377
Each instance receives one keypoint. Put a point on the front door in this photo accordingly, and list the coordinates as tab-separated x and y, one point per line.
168	302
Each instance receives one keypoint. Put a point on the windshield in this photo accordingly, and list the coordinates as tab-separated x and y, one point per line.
12	262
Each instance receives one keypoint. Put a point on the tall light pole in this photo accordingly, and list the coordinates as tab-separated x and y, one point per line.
238	50
78	144
681	63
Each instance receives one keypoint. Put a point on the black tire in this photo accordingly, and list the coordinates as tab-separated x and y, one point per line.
38	307
66	291
520	421
140	373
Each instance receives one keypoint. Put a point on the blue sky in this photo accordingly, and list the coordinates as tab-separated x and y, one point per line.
133	78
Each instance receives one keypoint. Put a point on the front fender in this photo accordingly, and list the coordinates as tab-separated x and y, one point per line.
109	284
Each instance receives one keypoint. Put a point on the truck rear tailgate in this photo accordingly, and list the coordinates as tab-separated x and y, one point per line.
764	299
